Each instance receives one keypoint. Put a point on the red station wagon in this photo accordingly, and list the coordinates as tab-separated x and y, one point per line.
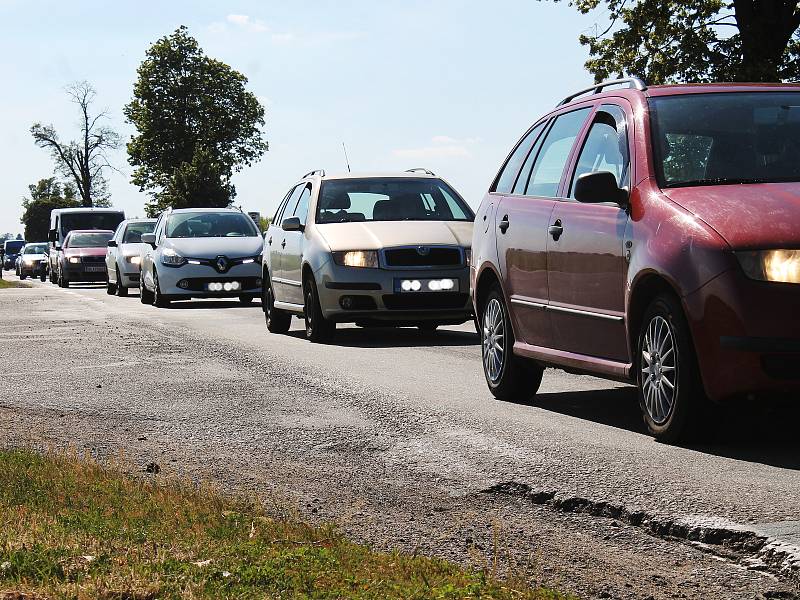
648	235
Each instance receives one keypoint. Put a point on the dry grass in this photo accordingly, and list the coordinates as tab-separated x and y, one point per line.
72	529
4	284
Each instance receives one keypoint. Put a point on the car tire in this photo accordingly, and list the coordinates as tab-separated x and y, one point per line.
428	328
158	298
42	276
278	321
122	291
508	376
22	276
63	282
318	328
245	300
145	295
51	275
111	288
671	395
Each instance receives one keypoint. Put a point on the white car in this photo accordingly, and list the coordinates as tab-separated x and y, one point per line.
124	255
201	253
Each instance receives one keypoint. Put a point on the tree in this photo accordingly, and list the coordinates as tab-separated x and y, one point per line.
85	160
45	195
695	40
196	125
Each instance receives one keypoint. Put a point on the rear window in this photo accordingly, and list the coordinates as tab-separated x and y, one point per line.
726	138
390	199
90	240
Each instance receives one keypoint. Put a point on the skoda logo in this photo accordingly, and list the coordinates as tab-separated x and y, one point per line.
423	250
222	263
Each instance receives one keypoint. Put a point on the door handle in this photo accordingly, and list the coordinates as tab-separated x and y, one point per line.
556	229
269	241
283	244
504	224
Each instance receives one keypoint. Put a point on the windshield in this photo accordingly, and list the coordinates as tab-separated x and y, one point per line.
90	240
90	220
133	234
390	199
211	224
726	138
14	247
35	249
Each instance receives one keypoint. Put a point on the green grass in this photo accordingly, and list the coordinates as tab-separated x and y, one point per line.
70	528
5	283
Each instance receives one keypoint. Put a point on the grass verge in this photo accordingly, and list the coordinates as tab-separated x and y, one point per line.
72	529
5	283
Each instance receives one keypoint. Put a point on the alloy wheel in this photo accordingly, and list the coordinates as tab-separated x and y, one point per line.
659	365
493	334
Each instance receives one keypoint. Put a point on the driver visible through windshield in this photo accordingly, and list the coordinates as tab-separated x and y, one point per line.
211	224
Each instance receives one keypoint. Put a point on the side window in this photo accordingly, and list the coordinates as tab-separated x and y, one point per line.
281	207
525	174
119	233
605	148
507	177
288	207
553	155
301	210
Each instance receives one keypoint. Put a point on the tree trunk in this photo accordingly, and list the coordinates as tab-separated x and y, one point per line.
765	27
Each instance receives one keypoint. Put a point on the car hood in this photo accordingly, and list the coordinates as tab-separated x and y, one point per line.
385	234
131	248
749	216
233	247
101	251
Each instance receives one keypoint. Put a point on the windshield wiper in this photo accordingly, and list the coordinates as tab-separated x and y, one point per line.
719	181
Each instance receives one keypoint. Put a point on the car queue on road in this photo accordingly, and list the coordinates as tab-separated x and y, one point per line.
647	235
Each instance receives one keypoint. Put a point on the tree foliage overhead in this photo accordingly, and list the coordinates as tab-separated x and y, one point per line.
695	40
45	195
83	161
196	125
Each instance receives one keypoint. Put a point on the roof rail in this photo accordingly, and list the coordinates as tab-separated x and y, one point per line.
320	172
633	83
420	170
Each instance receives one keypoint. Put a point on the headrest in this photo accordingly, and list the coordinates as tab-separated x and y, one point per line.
336	201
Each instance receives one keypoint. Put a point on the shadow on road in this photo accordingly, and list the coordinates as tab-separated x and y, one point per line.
763	432
396	337
198	304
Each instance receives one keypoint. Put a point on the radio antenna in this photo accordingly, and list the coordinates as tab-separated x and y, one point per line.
346	160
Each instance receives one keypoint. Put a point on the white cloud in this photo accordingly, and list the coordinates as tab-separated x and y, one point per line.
441	146
247	23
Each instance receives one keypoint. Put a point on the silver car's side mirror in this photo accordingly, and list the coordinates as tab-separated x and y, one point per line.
149	238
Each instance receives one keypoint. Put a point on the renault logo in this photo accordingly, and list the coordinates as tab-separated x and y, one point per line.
222	264
423	250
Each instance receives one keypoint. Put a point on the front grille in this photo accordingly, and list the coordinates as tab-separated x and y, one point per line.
424	256
424	300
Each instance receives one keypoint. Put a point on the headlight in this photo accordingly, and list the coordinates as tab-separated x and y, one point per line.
74	259
771	265
171	258
134	259
29	261
357	258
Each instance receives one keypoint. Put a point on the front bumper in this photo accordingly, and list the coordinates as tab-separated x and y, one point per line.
351	294
747	336
191	281
35	269
86	272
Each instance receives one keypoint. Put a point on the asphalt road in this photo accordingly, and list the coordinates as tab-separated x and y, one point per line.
393	435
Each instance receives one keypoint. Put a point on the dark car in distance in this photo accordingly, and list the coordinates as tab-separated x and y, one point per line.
10	252
652	236
83	256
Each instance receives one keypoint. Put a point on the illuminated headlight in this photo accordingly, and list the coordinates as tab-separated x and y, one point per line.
134	259
74	259
782	266
357	258
171	258
29	262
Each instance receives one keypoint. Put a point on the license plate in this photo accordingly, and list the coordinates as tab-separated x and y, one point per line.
412	285
94	268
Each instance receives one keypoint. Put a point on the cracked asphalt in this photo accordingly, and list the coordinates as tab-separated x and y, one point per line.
393	435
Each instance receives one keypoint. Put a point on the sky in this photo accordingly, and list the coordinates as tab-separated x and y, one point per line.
444	84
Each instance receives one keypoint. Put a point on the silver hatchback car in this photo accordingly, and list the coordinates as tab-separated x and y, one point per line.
368	249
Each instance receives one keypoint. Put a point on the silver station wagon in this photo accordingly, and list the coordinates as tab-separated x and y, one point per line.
368	249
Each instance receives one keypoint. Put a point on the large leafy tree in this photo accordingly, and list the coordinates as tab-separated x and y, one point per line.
196	125
695	40
84	160
45	195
